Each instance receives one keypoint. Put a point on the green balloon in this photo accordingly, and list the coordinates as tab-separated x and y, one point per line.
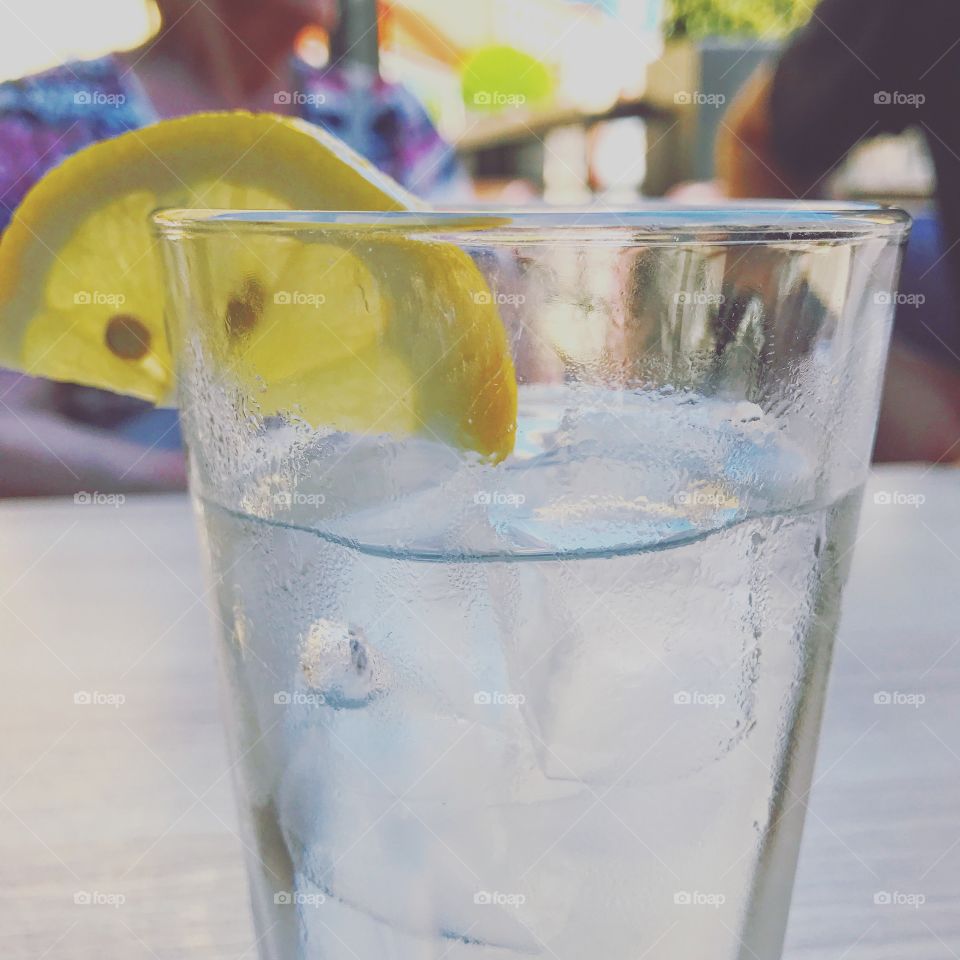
496	78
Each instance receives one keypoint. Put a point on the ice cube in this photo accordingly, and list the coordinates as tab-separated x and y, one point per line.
340	667
625	682
402	816
334	928
413	819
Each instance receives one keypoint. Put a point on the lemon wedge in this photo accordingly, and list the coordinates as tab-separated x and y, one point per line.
395	335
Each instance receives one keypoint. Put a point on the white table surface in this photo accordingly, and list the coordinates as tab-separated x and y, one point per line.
133	800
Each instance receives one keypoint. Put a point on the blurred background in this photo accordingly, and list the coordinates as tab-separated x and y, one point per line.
509	102
556	99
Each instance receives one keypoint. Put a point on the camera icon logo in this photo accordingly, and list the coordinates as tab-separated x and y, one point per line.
282	698
82	298
82	98
283	298
482	698
483	98
282	97
682	898
682	698
282	898
882	98
82	899
882	898
682	98
482	298
82	698
882	698
482	898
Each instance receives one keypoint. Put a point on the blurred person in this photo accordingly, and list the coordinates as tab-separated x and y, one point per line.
859	69
235	54
215	55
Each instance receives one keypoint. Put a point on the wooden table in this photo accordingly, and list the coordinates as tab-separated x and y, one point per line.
102	799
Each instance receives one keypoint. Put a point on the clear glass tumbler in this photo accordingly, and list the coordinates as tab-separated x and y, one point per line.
562	703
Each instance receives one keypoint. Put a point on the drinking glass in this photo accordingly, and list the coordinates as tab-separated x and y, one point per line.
564	704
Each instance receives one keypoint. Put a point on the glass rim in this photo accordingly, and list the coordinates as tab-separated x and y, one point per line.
732	222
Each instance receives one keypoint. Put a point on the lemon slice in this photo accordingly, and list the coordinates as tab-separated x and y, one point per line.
376	332
396	337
